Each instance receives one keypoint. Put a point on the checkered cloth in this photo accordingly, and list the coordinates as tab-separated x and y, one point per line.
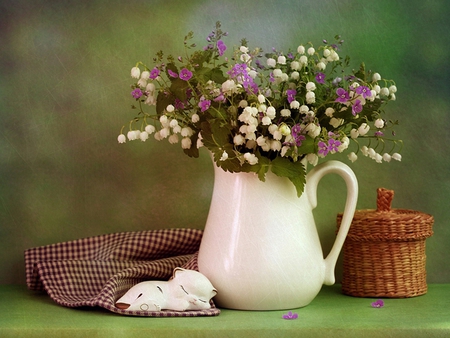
97	271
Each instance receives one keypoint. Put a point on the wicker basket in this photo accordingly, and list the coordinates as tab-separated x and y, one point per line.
384	252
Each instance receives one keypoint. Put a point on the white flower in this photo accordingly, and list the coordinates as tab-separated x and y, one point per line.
365	150
238	140
251	158
173	123
295	104
170	108
150	129
313	159
387	157
363	129
281	60
245	57
384	91
285	130
311	50
261	98
150	87
243	49
301	49
195	118
295	75
285	112
186	143
304	109
229	87
275	145
186	132
303	60
271	62
310	97
271	112
310	86
145	75
326	52
131	135
392	97
277	72
397	156
173	139
354	133
345	141
142	83
295	65
121	138
352	157
378	158
143	136
379	123
329	112
135	72
266	121
224	156
164	121
164	132
392	89
321	66
313	130
376	77
336	122
371	152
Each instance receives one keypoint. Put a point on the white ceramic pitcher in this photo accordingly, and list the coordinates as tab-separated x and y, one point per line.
260	248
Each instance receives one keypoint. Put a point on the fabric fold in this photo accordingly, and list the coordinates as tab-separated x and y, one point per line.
96	271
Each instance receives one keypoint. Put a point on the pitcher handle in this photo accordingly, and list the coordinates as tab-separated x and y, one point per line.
312	179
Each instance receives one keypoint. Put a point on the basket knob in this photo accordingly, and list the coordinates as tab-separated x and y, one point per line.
384	199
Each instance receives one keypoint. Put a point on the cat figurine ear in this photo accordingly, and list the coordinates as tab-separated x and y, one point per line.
187	290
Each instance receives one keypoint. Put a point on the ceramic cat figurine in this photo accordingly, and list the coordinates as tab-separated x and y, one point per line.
187	290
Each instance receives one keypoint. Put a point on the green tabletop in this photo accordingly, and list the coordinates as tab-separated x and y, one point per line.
25	313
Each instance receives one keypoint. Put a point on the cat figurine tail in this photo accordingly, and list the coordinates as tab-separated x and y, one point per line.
187	290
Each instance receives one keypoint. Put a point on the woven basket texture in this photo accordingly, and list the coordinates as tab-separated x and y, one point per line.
384	252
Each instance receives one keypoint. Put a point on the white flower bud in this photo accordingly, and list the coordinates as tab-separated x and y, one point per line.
301	49
397	156
384	91
363	129
281	60
376	77
310	86
271	62
121	138
295	65
387	157
352	157
285	112
295	75
261	98
379	123
150	129
392	89
170	108
311	51
186	143
354	133
135	72
143	136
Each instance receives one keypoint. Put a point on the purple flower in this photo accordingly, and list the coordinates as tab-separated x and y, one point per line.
325	148
291	95
204	104
137	93
343	95
296	134
221	47
357	107
290	315
240	73
172	74
154	73
185	74
377	304
320	78
364	91
379	133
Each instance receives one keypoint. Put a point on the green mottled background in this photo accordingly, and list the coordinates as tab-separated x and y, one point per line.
64	95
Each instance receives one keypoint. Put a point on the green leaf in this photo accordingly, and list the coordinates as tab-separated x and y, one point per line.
308	146
162	101
294	171
179	89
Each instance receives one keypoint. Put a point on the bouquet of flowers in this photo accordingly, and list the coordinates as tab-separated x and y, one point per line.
257	112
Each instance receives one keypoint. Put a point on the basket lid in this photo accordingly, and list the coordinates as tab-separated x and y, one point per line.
389	223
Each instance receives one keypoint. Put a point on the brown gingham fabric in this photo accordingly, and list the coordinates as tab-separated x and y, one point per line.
97	271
